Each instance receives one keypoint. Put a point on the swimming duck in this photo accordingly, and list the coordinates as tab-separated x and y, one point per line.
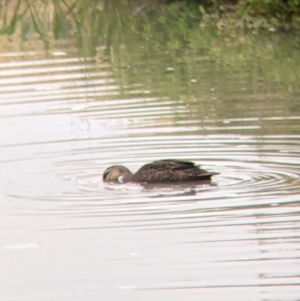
163	171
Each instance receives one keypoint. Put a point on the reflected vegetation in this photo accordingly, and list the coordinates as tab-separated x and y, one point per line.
170	56
84	87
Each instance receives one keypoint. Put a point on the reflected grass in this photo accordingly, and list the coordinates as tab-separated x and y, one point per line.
90	22
176	51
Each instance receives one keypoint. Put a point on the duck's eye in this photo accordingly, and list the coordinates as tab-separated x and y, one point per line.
120	179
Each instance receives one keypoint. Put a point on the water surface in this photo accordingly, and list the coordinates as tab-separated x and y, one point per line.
65	235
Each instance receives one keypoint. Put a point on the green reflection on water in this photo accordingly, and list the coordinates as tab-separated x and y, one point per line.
174	53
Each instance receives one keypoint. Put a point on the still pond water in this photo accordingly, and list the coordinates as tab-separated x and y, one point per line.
65	235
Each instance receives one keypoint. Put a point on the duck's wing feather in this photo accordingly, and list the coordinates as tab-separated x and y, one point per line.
170	164
165	171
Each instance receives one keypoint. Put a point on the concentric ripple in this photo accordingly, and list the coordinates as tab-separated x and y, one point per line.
68	136
64	121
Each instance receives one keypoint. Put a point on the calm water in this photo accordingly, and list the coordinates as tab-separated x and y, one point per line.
67	236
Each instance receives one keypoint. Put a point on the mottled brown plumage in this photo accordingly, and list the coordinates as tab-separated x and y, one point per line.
163	171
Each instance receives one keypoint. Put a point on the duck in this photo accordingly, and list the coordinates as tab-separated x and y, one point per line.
161	171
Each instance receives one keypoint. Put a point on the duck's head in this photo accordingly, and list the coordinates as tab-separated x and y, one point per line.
117	173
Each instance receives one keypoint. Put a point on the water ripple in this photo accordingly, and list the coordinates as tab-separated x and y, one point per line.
64	121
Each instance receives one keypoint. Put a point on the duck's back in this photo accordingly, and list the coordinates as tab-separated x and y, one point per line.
170	171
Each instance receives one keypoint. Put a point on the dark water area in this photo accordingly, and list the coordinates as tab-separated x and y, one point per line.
66	235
